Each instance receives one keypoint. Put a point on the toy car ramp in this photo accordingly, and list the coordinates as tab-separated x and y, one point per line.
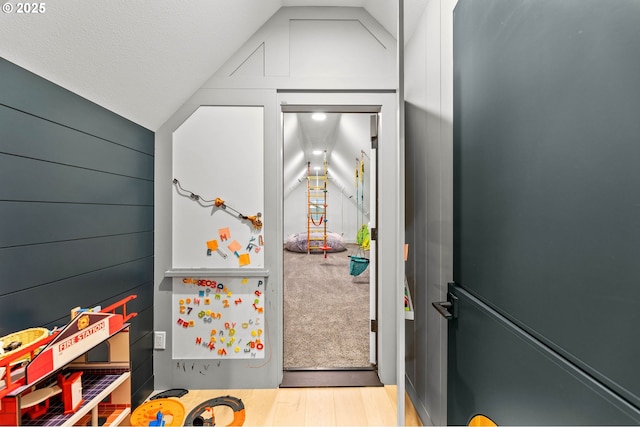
203	414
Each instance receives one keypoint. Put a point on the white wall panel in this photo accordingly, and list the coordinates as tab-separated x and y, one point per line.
314	48
217	153
346	47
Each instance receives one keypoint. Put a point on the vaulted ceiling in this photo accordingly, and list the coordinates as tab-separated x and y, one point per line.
342	139
143	59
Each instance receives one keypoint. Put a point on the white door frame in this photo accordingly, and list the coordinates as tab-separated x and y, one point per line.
372	110
390	223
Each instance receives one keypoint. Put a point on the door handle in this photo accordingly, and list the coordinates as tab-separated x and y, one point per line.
447	309
443	308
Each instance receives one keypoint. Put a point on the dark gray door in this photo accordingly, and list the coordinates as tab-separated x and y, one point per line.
546	212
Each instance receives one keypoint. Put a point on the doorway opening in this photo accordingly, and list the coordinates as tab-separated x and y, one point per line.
329	216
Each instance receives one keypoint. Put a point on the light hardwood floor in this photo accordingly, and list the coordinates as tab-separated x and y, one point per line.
344	406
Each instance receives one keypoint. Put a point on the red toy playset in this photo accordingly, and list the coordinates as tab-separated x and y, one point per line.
54	368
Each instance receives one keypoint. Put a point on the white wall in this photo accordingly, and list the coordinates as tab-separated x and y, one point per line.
266	57
350	136
273	58
342	212
429	138
206	162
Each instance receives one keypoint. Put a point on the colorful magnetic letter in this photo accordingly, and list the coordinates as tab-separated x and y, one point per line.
224	234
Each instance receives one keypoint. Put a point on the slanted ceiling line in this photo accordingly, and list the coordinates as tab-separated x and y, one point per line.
346	20
260	46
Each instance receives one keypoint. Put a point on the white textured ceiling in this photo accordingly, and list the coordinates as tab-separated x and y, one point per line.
142	59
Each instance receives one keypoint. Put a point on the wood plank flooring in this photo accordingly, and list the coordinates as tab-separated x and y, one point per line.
342	406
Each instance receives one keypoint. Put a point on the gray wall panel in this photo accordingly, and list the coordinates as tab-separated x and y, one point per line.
27	92
140	395
416	231
130	283
546	133
50	182
140	375
141	350
60	260
59	144
45	304
501	372
428	137
143	325
34	222
77	211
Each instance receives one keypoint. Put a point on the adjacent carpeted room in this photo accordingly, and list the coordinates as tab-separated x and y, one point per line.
326	312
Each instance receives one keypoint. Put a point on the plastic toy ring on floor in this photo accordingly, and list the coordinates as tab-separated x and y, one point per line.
197	416
148	412
174	392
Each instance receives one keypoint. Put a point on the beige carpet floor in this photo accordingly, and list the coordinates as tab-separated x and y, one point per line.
326	312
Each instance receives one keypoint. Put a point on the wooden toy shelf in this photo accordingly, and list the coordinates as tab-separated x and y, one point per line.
33	395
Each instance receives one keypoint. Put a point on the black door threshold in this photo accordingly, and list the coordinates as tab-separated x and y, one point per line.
331	378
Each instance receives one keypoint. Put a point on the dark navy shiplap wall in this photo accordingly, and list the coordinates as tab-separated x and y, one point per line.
76	212
546	208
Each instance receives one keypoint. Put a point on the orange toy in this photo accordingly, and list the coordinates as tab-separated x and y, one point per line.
255	220
198	415
171	409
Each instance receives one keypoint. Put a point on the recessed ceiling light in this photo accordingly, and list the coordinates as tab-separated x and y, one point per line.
317	152
319	116
317	168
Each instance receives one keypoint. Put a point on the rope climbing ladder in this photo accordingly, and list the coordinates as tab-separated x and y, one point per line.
317	208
